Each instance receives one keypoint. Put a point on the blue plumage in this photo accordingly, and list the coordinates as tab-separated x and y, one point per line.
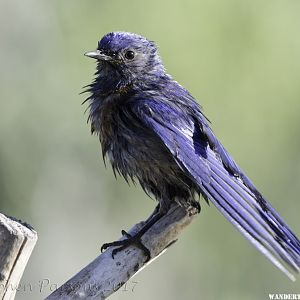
154	131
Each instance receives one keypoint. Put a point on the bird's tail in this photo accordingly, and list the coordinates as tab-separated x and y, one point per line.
201	155
254	217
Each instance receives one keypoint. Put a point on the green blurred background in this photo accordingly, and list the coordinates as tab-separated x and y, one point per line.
240	59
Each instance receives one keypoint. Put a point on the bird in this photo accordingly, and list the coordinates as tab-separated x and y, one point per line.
153	131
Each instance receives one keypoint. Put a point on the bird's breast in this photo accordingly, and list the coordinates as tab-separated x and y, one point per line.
137	154
133	150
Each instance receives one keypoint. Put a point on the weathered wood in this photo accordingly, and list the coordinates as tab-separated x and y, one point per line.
17	240
105	275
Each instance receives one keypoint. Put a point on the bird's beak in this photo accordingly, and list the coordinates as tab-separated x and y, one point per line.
97	54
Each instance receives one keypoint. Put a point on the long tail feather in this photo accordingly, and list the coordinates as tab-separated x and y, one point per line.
263	228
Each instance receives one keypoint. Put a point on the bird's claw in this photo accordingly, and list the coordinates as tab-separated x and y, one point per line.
197	205
123	244
105	246
123	232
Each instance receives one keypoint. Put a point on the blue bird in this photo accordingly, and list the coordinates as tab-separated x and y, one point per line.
154	132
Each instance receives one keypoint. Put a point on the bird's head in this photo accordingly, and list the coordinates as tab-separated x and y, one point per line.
127	54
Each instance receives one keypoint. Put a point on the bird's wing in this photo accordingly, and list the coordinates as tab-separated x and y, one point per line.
198	153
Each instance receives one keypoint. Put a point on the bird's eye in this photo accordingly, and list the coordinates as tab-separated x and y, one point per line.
129	55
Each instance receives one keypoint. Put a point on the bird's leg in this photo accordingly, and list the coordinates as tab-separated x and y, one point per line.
190	205
136	238
195	204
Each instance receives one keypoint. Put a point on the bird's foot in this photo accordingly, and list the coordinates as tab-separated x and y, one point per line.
196	204
193	207
123	244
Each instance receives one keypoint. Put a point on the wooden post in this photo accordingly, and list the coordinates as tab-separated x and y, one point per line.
105	275
17	240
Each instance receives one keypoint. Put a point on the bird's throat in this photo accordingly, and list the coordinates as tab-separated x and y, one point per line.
110	80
